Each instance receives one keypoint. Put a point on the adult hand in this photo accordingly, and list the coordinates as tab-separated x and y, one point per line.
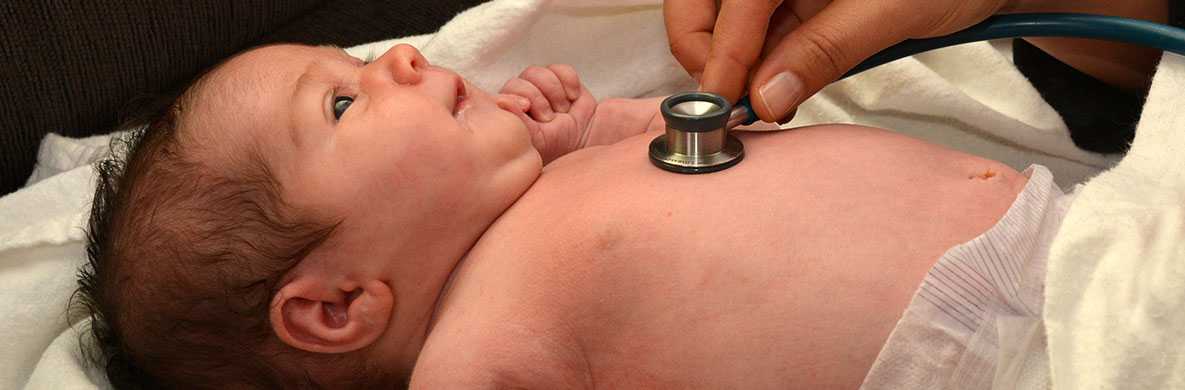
786	51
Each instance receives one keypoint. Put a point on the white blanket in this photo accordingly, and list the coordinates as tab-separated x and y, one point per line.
1115	291
968	97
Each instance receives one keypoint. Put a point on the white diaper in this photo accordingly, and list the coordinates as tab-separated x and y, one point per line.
975	322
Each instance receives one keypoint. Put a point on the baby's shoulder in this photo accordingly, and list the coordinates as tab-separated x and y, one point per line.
490	356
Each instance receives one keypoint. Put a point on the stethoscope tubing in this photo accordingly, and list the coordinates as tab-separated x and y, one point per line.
1061	25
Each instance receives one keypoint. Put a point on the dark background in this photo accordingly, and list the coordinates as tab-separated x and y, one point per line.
73	67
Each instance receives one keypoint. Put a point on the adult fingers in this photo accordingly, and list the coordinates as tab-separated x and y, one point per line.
736	45
821	50
782	23
689	31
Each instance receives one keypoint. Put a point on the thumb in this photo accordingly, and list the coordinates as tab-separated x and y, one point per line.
821	50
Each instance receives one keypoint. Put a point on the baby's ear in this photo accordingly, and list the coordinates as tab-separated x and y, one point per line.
317	316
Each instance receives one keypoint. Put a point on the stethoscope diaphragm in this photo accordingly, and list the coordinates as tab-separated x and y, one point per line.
697	138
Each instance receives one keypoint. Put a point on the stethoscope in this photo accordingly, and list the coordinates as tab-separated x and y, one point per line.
697	138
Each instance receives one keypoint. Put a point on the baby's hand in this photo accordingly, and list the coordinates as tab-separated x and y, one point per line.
560	108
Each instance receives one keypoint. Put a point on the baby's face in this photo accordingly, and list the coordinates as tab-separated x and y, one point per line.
393	137
412	162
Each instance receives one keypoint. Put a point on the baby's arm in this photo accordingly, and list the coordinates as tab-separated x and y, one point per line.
618	119
563	116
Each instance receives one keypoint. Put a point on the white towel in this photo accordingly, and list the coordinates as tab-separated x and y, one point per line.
968	97
40	248
1115	289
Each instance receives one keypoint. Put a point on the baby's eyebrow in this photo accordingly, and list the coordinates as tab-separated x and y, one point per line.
302	82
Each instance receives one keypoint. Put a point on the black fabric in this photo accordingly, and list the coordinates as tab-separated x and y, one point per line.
357	22
1101	118
1177	13
73	66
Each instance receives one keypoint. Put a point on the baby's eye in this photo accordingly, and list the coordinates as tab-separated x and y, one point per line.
340	104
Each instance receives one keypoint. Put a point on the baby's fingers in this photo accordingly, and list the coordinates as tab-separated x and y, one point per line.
569	78
519	105
513	103
548	83
540	107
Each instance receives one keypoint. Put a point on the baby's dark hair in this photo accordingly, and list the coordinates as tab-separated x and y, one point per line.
183	260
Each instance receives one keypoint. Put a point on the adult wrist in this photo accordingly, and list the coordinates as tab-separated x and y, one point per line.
1031	6
1151	10
1121	65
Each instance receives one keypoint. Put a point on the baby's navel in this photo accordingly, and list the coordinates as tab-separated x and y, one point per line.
986	174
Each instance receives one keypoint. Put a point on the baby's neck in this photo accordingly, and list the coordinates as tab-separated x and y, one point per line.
424	291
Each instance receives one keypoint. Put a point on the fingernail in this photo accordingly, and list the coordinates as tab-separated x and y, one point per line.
573	93
780	92
524	103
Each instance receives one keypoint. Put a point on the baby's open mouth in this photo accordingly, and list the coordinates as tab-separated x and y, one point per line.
460	96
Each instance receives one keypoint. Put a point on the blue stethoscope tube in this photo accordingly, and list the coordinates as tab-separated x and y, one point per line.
1109	28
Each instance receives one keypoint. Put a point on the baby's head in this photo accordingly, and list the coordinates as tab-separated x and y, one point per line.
292	219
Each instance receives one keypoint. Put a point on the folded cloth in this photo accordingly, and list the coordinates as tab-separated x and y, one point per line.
58	154
975	321
41	247
1116	283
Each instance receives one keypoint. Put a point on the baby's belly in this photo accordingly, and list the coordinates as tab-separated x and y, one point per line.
794	264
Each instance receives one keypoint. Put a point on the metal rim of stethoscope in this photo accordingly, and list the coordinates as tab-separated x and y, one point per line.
698	139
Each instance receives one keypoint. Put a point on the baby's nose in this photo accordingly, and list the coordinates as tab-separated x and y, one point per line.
403	63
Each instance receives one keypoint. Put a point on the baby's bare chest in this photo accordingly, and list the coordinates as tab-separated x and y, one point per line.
791	245
650	286
793	213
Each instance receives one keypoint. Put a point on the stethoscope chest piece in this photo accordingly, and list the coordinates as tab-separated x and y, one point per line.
697	138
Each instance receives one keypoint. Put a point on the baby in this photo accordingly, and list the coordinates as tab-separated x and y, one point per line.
300	218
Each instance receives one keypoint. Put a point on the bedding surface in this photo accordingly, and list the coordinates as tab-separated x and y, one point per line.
968	97
1116	281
